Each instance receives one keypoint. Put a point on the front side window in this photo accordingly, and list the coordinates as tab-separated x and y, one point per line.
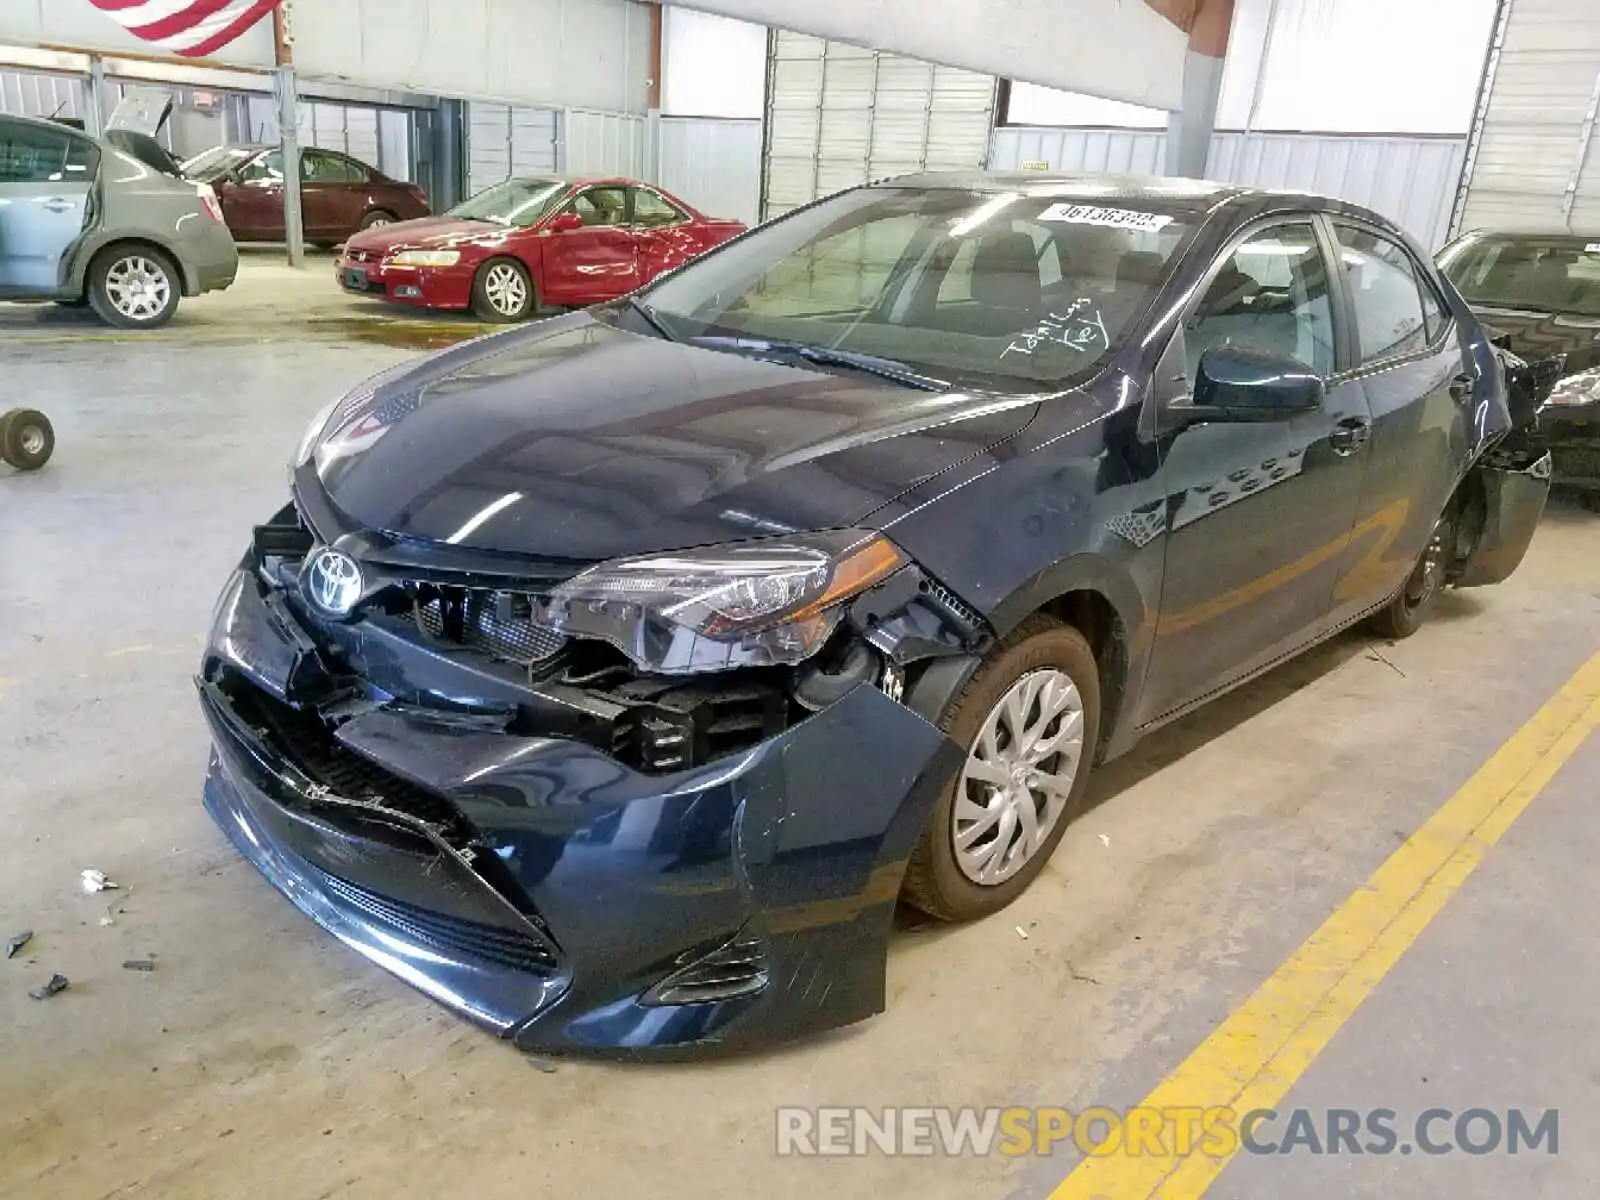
1270	295
651	211
1387	295
1001	290
32	154
601	207
1545	274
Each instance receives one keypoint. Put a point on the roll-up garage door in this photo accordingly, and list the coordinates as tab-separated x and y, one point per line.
839	115
503	140
1534	159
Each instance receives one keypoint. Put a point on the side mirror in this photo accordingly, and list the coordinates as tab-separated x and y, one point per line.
1234	384
565	222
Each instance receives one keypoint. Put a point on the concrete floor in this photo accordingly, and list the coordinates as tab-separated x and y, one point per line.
261	1058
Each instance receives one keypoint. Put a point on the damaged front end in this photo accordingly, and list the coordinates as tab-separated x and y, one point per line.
576	852
1506	490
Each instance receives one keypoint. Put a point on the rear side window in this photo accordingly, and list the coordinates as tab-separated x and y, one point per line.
1391	300
317	166
651	211
33	154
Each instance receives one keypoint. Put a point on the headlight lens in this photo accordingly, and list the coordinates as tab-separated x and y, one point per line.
766	603
1582	388
308	440
426	258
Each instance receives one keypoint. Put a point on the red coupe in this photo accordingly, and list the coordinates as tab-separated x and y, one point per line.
528	244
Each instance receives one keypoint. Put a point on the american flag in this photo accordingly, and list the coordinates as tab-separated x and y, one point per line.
192	28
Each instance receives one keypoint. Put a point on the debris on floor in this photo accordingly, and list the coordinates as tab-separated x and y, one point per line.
1022	933
139	964
542	1064
95	881
58	983
1105	839
1377	656
13	944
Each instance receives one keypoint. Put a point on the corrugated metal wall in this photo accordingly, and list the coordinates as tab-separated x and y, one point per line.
1535	157
1411	180
39	94
839	115
505	140
714	164
1113	151
604	143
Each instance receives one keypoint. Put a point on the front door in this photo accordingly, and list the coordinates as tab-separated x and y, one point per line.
662	233
252	199
45	178
598	261
1416	381
1257	514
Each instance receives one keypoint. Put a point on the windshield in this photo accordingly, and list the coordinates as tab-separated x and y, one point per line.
514	202
209	164
998	290
1549	274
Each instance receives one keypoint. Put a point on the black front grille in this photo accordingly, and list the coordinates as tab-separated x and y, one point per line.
738	968
499	624
306	741
472	939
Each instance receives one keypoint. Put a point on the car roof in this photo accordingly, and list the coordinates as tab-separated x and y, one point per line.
45	123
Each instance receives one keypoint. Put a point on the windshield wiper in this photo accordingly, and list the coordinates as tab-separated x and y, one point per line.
829	356
649	314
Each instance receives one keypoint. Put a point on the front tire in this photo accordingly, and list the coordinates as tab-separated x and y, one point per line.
1405	614
134	287
502	292
26	439
1030	721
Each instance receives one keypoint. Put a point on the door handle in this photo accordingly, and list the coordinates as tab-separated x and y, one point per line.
1462	387
57	204
1349	435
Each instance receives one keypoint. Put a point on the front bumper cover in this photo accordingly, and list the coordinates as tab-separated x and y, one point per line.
584	883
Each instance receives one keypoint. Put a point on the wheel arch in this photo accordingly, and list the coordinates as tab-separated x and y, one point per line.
91	249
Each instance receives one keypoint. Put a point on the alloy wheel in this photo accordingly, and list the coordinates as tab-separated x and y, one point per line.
32	440
1018	776
138	287
506	289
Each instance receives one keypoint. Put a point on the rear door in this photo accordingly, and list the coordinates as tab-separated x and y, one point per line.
598	261
1257	514
252	199
333	192
1414	375
46	178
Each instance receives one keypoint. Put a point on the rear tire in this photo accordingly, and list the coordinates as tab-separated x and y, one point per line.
503	292
26	439
377	217
1409	608
133	286
1029	719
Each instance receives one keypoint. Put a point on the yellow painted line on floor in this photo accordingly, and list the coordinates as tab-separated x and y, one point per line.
1258	1053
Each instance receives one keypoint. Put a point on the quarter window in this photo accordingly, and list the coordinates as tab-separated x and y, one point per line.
1271	295
651	211
1391	314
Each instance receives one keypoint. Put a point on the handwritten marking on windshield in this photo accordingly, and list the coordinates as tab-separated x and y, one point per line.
1079	328
1108	218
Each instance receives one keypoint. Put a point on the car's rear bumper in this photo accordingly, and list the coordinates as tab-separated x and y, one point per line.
210	258
543	889
444	288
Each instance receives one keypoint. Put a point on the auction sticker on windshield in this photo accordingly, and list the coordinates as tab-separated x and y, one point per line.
1112	218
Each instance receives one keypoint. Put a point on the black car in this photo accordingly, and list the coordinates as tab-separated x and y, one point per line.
1539	295
611	679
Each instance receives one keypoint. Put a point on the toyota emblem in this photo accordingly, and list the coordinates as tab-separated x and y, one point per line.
333	581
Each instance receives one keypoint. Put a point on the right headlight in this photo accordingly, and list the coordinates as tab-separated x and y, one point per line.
1574	390
763	603
426	258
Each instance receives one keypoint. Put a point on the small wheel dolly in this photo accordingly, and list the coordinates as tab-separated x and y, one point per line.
26	439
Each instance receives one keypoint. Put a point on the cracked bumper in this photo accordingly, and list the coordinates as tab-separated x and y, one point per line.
583	884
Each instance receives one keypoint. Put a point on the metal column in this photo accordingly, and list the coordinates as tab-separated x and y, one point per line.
289	131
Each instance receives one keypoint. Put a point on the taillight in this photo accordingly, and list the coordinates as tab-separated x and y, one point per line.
208	198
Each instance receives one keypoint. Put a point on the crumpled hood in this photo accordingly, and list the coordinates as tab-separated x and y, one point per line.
574	439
